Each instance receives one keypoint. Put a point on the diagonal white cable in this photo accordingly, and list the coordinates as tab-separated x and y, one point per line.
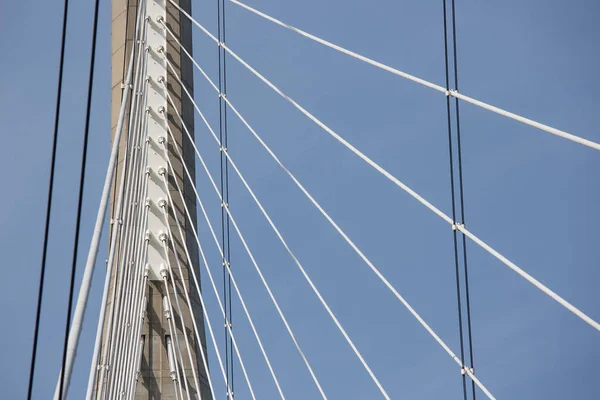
175	293
185	288
446	218
174	334
245	308
302	270
415	195
204	310
386	282
195	278
132	228
454	93
228	325
263	280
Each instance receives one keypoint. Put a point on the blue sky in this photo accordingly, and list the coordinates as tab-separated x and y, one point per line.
528	194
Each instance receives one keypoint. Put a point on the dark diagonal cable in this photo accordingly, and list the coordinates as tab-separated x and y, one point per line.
461	191
80	196
453	195
224	189
36	329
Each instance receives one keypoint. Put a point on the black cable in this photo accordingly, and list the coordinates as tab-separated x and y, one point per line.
224	190
452	191
462	197
80	196
36	329
226	136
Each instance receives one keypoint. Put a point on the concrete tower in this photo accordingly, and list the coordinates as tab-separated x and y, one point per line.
155	381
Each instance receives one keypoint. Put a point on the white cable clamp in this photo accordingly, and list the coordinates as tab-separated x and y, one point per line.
160	19
162	237
467	370
162	203
456	227
163	272
162	171
161	110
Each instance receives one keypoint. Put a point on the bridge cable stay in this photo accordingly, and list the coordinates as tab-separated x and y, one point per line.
40	294
116	224
195	278
62	388
460	199
224	191
76	325
305	274
121	215
267	287
452	93
131	272
223	309
337	228
462	195
302	270
414	194
134	306
177	377
119	369
185	288
243	303
133	240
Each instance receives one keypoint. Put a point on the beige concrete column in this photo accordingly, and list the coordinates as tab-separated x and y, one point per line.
155	381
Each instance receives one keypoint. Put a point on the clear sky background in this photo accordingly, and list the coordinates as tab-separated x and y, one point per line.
529	194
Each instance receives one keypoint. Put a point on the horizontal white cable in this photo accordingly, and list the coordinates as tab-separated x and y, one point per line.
404	187
266	285
423	82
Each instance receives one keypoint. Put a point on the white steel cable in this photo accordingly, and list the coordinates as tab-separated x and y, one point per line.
280	312
173	331
138	351
204	310
137	246
185	288
454	93
140	255
227	324
176	294
111	259
83	295
132	226
243	303
298	264
357	250
414	194
133	229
